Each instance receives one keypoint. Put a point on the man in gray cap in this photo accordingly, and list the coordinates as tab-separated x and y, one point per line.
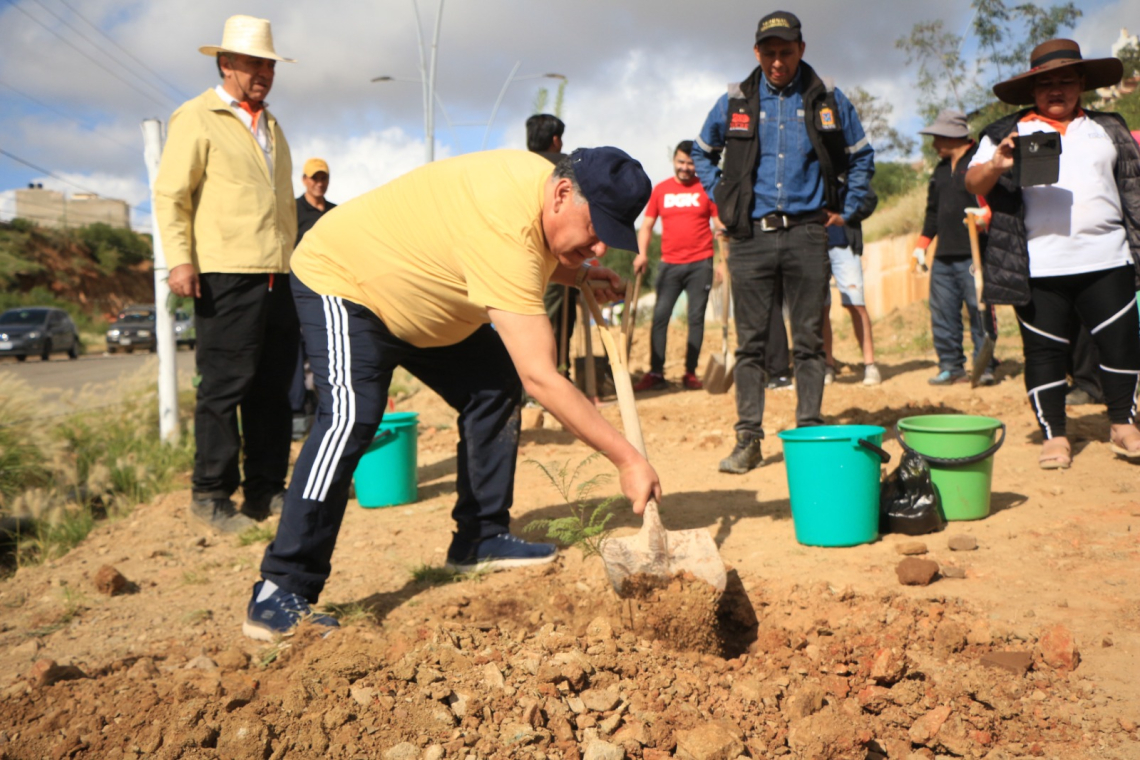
951	276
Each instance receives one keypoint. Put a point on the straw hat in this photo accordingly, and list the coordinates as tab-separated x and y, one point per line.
248	36
1057	54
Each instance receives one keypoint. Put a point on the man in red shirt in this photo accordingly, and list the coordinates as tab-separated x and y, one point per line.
686	262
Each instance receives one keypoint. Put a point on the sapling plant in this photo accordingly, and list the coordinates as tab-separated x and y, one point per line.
586	525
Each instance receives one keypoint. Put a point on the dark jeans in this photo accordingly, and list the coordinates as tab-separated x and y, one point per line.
246	351
353	355
777	360
797	260
951	285
696	280
1105	303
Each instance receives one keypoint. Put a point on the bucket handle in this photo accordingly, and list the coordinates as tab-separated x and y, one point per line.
959	461
885	456
382	435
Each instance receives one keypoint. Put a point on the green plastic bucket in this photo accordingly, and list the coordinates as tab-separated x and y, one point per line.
959	449
833	480
386	474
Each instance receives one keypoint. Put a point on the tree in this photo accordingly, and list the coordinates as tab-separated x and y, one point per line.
1129	55
874	115
543	95
1006	35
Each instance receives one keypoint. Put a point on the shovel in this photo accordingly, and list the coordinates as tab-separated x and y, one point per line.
718	375
653	551
986	354
631	311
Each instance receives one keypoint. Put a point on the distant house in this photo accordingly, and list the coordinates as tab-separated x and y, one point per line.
51	208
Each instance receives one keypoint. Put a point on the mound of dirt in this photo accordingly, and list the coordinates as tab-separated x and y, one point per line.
554	666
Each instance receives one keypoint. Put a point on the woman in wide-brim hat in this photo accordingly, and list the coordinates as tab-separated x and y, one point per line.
1072	247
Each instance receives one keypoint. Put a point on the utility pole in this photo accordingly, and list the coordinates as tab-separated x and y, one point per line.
163	318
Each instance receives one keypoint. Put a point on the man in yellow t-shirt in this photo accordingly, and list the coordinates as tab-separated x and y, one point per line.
413	274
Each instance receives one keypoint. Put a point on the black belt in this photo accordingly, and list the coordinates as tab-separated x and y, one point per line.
773	222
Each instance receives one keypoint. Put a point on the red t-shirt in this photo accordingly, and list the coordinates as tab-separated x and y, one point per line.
685	211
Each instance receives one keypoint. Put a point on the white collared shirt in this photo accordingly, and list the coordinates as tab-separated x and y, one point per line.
261	133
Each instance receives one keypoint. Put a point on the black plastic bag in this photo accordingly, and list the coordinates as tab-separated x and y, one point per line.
908	503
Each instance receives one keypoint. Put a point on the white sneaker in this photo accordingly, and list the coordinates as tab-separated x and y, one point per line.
828	374
871	375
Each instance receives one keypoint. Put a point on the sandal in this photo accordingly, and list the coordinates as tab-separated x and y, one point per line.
1056	456
1119	444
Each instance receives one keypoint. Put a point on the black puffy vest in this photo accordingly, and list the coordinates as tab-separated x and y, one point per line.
734	192
1006	272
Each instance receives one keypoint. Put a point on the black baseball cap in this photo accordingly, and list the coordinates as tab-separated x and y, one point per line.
780	24
617	189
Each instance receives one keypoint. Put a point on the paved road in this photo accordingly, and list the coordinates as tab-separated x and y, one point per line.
101	371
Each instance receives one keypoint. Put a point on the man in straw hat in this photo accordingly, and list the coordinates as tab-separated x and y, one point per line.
951	272
380	283
1069	247
224	208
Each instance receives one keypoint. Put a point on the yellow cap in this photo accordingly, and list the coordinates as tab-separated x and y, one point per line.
314	165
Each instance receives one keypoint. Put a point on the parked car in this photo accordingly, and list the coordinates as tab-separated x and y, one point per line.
37	331
184	332
133	329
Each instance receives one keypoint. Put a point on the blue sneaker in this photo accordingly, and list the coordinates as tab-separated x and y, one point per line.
946	377
278	613
499	553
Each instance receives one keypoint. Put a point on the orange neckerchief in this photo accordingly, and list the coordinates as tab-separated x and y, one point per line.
254	114
1060	127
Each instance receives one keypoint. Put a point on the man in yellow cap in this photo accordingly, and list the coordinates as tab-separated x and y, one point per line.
223	204
311	205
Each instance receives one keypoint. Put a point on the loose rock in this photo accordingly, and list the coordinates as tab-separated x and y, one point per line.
916	572
962	543
110	581
600	750
1059	648
1017	663
719	740
910	548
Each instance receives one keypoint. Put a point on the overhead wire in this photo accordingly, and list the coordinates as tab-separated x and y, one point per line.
70	118
86	55
53	175
98	48
174	88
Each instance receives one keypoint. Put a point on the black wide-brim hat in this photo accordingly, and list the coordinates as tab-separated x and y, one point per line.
1058	54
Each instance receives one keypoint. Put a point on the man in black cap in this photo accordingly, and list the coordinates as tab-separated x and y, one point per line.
382	283
796	160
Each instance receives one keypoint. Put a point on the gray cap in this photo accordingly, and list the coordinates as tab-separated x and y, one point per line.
950	123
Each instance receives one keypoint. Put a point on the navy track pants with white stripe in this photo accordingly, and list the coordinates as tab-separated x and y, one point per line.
1105	303
353	355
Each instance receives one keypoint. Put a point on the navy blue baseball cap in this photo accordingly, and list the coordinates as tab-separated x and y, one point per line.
617	189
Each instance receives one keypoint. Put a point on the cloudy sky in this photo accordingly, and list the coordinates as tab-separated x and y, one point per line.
78	76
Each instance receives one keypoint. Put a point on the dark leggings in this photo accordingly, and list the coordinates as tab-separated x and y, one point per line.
1105	303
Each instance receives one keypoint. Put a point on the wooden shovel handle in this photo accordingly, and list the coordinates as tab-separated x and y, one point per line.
976	255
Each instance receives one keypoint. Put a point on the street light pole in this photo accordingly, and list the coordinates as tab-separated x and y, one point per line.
427	76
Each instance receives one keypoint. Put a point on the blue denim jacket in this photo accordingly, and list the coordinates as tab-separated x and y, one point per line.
788	179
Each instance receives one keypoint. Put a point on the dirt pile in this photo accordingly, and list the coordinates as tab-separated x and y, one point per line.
554	666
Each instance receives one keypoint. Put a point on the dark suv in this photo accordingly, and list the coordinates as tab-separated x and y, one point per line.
37	331
133	329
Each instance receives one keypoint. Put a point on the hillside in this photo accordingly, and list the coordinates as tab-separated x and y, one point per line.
91	272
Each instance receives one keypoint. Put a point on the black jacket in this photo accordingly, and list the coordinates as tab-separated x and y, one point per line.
946	202
1006	273
733	194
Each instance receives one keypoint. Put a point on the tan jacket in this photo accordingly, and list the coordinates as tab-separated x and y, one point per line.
214	201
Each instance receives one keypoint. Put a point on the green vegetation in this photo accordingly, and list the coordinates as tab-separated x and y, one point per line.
90	463
585	526
258	534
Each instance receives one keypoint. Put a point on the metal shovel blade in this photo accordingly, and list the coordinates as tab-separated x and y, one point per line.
653	551
985	356
719	374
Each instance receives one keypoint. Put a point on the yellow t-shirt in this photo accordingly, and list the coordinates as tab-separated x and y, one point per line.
431	250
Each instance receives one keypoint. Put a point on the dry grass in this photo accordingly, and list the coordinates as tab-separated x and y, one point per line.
903	215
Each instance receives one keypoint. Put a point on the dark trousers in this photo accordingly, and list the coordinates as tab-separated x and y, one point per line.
1105	303
557	299
777	360
297	390
1084	362
695	280
951	285
797	260
353	355
246	349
